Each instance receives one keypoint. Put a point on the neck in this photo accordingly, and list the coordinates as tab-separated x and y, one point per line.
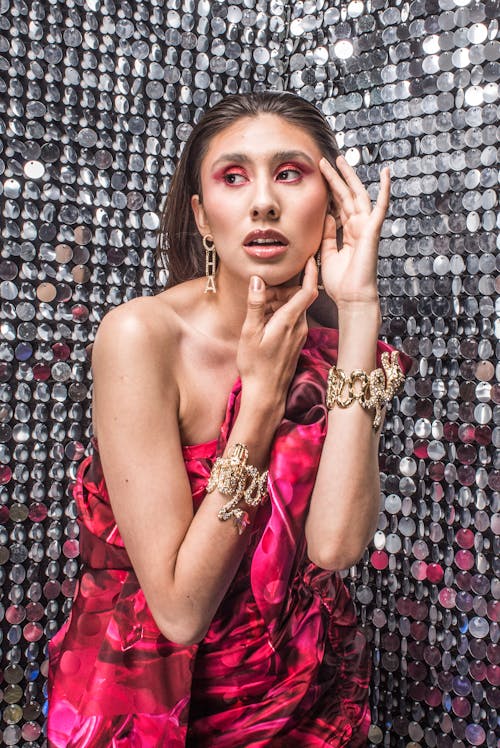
228	305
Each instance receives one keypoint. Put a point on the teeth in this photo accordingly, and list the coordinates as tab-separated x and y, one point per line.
264	241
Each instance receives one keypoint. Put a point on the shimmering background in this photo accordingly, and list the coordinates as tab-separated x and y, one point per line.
96	98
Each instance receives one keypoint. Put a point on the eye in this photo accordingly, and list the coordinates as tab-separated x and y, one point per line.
234	177
289	174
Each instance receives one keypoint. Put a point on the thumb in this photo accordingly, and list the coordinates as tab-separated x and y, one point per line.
256	302
330	233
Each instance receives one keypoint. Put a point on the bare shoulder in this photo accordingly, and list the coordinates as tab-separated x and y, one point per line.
137	356
151	321
133	361
149	316
143	328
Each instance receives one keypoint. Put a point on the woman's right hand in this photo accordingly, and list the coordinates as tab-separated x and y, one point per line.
272	336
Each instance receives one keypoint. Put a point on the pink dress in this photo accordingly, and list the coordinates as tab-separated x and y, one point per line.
282	664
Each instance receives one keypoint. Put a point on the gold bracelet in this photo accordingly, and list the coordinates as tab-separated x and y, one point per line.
231	475
372	391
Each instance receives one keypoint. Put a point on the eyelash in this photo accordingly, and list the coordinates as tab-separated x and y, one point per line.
283	170
291	168
230	174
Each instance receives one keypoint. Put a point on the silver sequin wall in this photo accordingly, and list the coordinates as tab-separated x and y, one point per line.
96	97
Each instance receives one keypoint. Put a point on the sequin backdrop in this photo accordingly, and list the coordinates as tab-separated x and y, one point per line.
96	97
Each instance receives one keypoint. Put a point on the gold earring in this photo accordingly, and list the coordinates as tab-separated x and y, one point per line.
317	257
210	263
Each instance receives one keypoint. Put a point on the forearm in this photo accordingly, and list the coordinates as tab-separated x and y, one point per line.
212	550
345	501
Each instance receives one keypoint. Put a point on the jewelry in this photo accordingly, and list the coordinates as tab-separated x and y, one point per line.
231	475
210	263
372	391
317	257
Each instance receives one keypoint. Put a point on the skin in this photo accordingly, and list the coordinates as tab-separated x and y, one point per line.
265	191
163	367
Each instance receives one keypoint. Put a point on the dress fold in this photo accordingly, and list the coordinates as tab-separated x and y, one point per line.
283	662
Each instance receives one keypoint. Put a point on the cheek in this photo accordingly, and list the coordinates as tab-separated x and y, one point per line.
312	208
223	204
219	212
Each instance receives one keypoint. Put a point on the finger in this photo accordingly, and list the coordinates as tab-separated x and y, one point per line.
330	228
354	182
383	197
329	244
280	294
273	306
310	274
256	304
310	286
341	193
303	298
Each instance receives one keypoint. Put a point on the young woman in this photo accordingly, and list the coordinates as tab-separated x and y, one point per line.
209	611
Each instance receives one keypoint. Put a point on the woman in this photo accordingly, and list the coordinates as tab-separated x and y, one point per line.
208	612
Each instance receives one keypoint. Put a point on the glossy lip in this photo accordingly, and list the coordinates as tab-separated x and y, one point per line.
265	234
268	252
265	252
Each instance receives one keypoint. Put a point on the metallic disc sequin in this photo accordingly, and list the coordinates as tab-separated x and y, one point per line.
96	100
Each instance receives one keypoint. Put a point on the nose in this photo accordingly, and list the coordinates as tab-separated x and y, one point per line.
264	201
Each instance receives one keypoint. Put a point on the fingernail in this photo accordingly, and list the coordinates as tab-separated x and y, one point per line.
255	283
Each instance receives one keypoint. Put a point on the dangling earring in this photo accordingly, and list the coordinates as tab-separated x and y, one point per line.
210	263
317	257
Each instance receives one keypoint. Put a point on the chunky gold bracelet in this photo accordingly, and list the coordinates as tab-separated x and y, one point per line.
231	475
372	391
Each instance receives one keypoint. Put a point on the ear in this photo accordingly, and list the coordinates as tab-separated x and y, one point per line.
199	215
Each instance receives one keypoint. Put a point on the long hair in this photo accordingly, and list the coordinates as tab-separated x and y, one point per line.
179	243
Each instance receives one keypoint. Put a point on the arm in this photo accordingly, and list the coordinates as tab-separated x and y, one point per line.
184	561
346	497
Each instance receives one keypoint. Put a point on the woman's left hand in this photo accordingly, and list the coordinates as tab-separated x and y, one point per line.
349	248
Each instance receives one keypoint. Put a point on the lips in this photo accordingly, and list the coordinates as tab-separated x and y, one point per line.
265	237
264	244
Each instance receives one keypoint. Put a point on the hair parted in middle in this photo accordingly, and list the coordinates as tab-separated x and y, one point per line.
179	242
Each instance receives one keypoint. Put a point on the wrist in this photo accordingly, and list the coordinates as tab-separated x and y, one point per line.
255	427
358	336
261	404
359	306
366	313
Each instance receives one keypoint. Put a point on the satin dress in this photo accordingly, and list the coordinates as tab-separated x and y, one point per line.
282	665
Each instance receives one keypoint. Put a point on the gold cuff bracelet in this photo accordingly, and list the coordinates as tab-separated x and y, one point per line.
234	477
373	391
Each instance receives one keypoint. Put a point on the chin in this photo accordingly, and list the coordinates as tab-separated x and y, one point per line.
276	276
292	280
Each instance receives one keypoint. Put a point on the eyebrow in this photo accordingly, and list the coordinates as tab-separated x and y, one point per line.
279	157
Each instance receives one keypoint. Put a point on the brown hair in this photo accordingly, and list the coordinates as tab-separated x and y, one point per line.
179	242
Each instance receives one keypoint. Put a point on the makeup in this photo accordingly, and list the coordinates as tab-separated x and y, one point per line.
265	244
